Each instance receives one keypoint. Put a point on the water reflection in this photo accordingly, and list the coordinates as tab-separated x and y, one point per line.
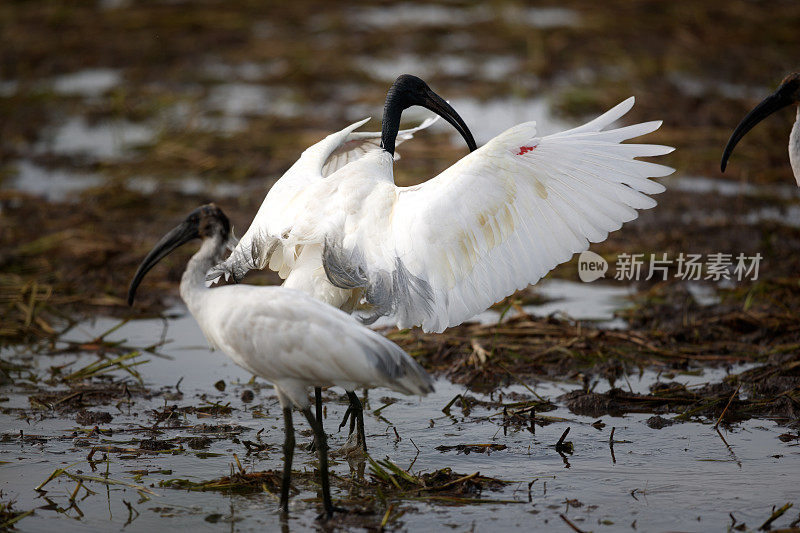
678	473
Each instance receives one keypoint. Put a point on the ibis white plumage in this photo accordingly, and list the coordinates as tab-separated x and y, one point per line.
287	202
282	335
438	253
302	271
788	93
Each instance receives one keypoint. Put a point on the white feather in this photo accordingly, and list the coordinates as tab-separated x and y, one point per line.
263	242
496	221
284	336
794	148
500	218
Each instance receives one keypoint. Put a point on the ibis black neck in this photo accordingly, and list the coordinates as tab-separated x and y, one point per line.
392	111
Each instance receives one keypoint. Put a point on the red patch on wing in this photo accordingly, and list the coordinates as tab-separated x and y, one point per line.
525	149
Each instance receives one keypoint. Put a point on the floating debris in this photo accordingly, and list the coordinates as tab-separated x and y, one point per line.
564	446
774	391
658	422
444	482
467	449
155	445
240	482
198	443
92	418
387	480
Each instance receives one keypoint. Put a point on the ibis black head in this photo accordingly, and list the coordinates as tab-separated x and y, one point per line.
205	222
787	93
407	91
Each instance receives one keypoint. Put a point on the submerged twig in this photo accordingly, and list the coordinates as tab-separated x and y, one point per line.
562	446
777	513
570	524
727	405
446	408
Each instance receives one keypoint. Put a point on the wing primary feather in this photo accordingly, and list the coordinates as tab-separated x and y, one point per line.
498	219
341	272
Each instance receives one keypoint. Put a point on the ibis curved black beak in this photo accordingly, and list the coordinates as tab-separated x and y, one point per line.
433	102
181	234
769	105
407	91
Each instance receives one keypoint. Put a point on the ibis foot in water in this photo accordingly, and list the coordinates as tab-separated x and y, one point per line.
288	455
357	440
322	455
352	449
327	515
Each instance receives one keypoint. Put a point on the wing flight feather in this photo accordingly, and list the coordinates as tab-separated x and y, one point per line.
501	218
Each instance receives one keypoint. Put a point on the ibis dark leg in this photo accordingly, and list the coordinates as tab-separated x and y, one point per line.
318	402
358	414
322	453
288	455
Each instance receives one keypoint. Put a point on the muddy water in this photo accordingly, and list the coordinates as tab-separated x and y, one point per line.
570	299
682	477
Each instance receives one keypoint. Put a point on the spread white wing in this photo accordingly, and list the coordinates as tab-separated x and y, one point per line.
498	220
260	245
359	143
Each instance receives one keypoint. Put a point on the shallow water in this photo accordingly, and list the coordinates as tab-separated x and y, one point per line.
242	99
595	301
227	108
722	187
105	140
51	184
698	87
404	14
88	83
682	477
409	13
785	215
388	68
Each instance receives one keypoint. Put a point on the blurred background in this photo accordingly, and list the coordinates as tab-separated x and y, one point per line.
116	117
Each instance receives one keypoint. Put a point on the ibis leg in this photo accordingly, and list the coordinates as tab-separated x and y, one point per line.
322	453
358	414
318	402
288	455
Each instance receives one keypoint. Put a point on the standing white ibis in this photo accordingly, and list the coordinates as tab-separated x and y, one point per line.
788	93
300	264
498	220
283	335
